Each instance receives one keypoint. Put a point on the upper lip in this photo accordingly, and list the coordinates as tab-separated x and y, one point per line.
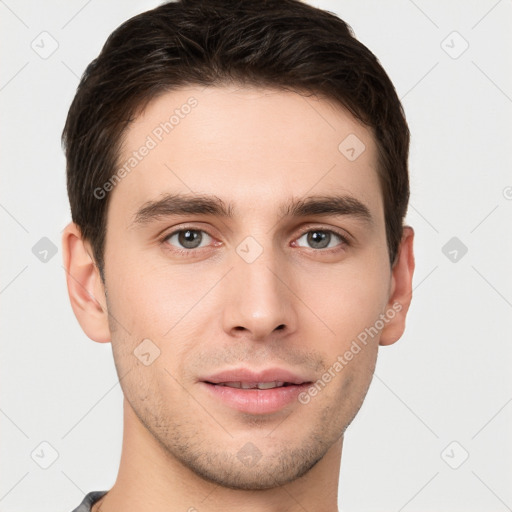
247	375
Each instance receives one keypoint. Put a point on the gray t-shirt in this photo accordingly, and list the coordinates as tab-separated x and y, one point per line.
89	500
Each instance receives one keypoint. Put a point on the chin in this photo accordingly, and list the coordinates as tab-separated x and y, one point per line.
282	469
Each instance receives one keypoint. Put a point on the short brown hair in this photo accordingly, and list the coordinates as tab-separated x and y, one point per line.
281	44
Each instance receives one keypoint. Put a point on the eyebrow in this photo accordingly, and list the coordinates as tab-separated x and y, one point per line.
181	204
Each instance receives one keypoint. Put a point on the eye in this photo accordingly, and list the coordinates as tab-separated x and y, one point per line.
322	239
188	238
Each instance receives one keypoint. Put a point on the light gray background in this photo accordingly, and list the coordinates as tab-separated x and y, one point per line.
446	380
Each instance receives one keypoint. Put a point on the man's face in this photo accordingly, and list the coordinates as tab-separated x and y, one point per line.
257	289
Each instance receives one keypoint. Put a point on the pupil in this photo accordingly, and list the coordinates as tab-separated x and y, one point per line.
319	239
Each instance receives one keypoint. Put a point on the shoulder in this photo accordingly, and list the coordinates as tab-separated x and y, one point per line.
89	500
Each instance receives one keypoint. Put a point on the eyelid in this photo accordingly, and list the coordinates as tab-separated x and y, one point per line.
168	231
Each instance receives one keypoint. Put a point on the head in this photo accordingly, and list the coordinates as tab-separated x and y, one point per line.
276	143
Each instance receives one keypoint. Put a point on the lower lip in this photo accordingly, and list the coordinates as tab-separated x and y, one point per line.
256	401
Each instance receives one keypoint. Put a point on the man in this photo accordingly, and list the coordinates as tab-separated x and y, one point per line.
237	173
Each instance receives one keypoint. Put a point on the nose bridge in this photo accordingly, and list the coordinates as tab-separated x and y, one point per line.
259	300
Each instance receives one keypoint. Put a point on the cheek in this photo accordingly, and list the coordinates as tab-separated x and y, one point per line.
150	301
344	301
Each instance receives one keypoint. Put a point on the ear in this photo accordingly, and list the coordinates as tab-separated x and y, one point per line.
400	289
85	287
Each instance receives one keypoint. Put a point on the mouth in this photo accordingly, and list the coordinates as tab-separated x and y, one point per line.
253	385
255	393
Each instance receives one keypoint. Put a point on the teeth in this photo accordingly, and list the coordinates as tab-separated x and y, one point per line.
252	385
269	385
232	384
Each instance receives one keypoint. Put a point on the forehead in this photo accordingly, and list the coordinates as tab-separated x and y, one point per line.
249	146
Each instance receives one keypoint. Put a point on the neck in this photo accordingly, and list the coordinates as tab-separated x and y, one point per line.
150	478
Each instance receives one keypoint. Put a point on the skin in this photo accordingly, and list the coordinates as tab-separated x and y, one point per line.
212	310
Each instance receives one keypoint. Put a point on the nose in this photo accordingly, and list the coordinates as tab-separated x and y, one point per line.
259	301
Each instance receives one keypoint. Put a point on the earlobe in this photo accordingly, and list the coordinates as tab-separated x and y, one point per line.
85	288
401	290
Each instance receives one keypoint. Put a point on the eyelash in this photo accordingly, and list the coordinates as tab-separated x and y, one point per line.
193	252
